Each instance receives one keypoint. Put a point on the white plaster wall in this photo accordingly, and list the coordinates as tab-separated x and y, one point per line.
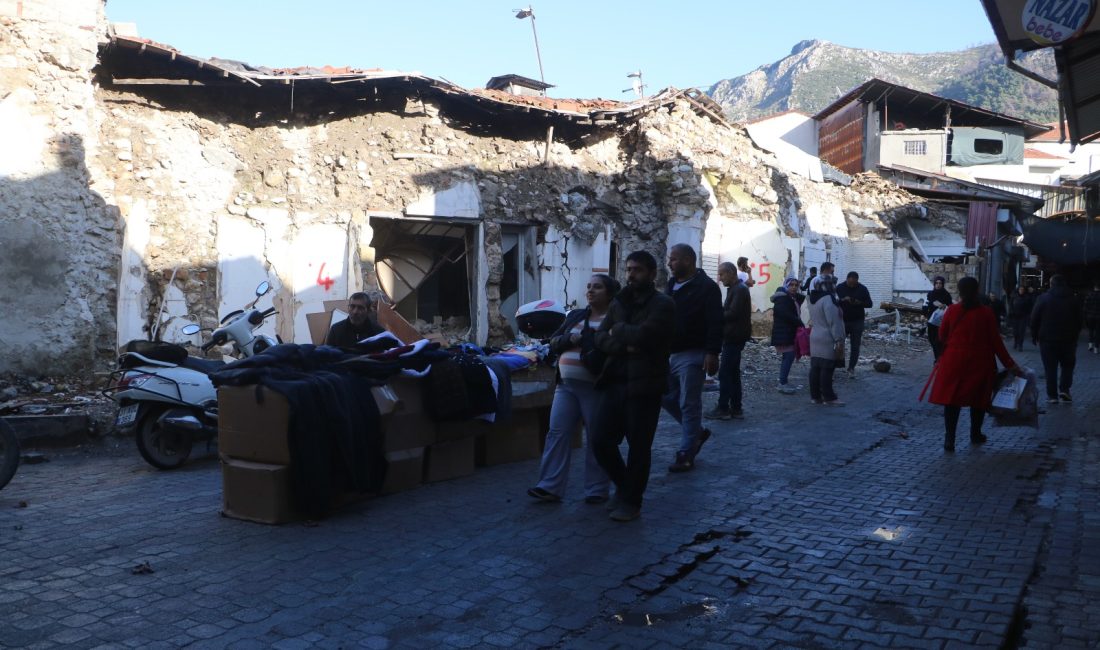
892	149
909	281
461	200
826	219
792	137
132	281
242	266
318	272
761	242
566	278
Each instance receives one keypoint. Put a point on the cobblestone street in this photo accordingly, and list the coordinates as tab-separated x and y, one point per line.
801	526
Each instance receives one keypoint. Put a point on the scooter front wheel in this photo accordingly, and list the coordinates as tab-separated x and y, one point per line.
9	453
160	446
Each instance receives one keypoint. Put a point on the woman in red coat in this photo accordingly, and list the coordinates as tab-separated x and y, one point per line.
966	372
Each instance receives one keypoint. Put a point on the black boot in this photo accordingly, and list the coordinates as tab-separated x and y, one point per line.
977	438
949	441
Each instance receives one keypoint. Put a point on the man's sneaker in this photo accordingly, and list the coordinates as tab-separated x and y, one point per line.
851	373
684	462
787	389
717	413
834	402
625	512
1064	396
737	415
1052	400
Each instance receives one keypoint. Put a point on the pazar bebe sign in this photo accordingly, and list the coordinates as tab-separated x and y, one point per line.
1053	22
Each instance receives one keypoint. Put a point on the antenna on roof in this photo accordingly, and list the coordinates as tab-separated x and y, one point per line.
636	86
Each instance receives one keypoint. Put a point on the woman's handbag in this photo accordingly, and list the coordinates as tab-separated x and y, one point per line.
838	351
802	342
592	358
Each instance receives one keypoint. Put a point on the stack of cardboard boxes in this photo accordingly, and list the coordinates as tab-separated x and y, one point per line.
253	424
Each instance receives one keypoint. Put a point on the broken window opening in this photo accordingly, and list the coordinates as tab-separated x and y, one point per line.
519	283
987	146
423	266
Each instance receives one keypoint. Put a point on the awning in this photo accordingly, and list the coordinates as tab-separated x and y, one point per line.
1062	242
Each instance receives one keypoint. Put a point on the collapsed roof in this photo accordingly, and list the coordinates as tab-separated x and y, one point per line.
134	61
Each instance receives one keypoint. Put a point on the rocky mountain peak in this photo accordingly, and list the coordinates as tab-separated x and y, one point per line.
817	72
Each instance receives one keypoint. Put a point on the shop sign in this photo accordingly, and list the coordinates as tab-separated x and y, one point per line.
1053	22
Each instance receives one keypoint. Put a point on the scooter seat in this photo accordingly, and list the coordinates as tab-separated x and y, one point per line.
205	366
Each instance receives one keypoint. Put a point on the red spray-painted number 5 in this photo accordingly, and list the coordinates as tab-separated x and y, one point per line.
764	274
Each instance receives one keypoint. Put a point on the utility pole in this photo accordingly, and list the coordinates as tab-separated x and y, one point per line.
529	12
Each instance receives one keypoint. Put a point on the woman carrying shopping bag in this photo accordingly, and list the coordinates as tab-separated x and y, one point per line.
967	370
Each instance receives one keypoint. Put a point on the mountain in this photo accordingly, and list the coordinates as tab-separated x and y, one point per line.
816	73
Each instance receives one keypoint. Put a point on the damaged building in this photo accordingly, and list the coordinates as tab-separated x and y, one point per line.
144	188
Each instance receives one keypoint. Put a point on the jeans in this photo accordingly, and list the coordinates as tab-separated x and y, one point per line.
1055	355
821	379
785	366
729	376
684	399
634	418
575	401
854	330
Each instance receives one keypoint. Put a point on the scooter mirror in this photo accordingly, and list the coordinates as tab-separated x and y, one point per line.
191	329
263	288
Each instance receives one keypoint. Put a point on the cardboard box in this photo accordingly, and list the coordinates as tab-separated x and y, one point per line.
403	430
257	492
448	460
253	431
258	432
409	392
510	442
405	471
451	430
532	394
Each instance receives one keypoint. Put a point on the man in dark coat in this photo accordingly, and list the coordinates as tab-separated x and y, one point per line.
360	323
635	334
736	331
855	300
1055	327
696	344
1020	314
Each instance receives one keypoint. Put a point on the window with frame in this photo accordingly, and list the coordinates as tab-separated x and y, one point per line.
916	148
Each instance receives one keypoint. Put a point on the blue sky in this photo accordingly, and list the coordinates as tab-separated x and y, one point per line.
588	47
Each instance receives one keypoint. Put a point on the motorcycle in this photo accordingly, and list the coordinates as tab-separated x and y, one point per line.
165	396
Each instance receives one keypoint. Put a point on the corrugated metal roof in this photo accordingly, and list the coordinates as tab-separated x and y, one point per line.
875	89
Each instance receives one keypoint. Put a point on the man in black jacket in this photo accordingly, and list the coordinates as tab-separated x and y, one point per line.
736	331
696	345
635	334
1055	327
855	300
360	323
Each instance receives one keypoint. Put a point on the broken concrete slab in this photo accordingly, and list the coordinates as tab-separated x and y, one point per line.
50	430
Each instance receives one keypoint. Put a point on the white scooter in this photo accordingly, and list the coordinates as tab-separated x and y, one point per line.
165	395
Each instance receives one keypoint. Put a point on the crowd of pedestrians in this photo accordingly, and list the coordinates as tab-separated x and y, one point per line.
635	350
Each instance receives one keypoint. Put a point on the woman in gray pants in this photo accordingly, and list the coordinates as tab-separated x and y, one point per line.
575	401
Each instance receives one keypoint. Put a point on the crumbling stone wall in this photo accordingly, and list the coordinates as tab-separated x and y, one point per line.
59	238
180	162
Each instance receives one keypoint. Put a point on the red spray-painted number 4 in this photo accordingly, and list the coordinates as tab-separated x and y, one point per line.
325	282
